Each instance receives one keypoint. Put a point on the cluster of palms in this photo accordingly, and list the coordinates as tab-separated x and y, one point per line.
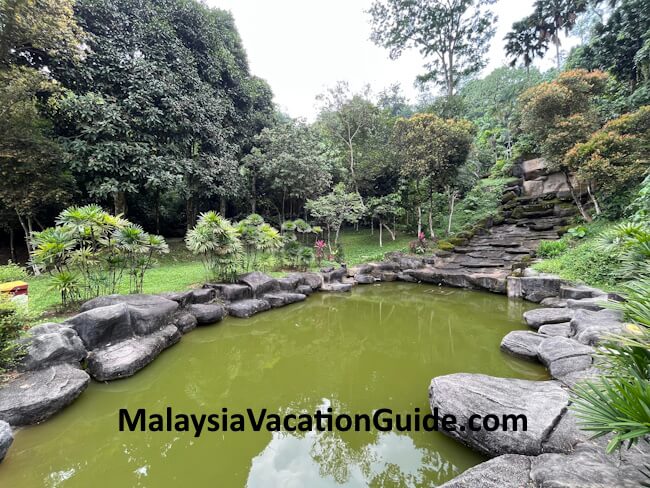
226	248
90	252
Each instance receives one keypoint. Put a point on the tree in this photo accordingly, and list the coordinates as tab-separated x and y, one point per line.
433	149
384	209
347	117
33	177
453	34
335	208
615	158
523	43
289	160
560	114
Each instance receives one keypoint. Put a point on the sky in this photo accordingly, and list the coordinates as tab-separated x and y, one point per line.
301	47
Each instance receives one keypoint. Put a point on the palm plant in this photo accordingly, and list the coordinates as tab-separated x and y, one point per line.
217	242
630	243
618	402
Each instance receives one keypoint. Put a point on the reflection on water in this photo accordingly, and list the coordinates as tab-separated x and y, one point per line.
377	347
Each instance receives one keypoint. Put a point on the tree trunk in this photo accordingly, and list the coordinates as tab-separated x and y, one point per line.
12	249
576	199
28	242
284	197
390	231
419	220
381	241
119	202
190	212
451	211
157	211
557	54
222	206
593	199
254	193
372	226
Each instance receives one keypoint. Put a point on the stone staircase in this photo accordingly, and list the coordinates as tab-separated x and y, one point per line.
496	248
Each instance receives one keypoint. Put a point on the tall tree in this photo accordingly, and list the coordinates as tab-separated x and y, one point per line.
347	117
453	34
523	43
433	150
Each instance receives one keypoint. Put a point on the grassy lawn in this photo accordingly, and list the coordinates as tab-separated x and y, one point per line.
180	270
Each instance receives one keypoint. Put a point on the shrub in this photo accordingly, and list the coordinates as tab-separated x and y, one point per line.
14	319
12	272
617	402
89	251
217	242
551	249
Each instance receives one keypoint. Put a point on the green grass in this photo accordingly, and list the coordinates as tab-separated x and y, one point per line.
180	270
583	261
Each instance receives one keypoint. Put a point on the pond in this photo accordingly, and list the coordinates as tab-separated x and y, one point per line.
377	347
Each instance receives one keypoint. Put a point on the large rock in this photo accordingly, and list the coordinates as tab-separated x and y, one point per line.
289	282
207	313
47	349
336	287
590	327
587	467
247	308
540	316
562	329
231	292
185	322
6	439
406	262
553	302
563	356
542	402
37	395
183	298
203	295
101	326
507	471
494	281
534	168
595	303
148	312
304	289
128	357
522	344
334	275
313	280
364	279
282	298
580	291
534	288
259	283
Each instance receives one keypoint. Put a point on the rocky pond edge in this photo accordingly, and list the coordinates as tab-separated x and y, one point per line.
115	336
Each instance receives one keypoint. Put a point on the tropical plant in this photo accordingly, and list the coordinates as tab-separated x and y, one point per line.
551	249
630	243
89	250
14	319
257	237
217	242
319	251
618	402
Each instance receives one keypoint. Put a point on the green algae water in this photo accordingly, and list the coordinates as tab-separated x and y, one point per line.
377	347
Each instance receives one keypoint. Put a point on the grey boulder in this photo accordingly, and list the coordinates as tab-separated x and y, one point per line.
543	403
183	298
148	312
231	291
247	308
562	329
37	395
203	295
336	287
507	471
553	302
364	279
522	344
289	283
259	283
282	298
313	280
6	439
208	313
595	304
540	316
563	356
47	349
304	289
101	326
185	322
128	357
590	327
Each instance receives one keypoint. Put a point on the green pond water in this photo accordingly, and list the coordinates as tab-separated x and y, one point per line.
377	347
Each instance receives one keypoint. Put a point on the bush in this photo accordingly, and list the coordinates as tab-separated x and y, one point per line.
14	319
12	272
552	249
